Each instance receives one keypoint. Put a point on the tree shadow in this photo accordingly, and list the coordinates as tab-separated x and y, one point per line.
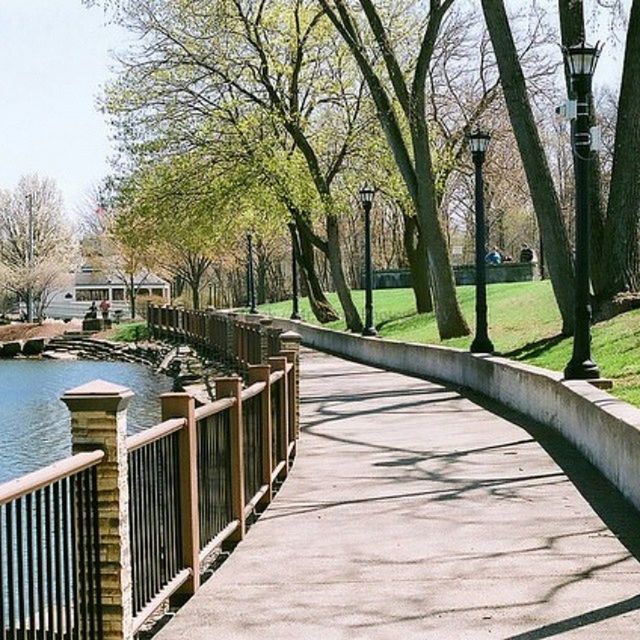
615	511
536	348
582	620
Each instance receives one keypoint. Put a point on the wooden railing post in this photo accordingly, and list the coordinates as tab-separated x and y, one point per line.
262	373
99	421
182	405
232	388
279	363
290	345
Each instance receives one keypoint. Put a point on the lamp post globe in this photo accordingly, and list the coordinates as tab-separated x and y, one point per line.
295	311
581	62
478	145
367	194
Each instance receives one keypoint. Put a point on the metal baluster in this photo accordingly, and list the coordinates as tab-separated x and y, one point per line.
96	551
57	542
20	563
81	612
3	585
66	539
10	581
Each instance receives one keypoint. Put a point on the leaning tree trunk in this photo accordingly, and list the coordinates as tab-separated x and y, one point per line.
451	322
541	186
334	255
573	32
623	212
416	251
320	305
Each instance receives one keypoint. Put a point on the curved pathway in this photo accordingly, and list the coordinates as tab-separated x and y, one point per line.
415	512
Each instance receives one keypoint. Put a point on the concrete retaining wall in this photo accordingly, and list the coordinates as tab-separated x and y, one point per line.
605	429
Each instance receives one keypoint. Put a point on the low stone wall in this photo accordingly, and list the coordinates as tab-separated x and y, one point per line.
463	274
606	430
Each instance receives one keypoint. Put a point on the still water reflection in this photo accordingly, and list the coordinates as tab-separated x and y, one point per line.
34	423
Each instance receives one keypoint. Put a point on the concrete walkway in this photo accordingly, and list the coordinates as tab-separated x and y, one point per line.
414	512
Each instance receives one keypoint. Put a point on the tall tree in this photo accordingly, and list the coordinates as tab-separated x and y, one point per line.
621	238
541	185
412	153
39	267
238	56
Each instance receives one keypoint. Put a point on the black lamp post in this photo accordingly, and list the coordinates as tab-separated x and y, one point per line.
478	143
366	200
295	312
251	287
581	60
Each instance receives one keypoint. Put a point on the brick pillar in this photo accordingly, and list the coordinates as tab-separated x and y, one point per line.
290	347
265	326
99	421
230	347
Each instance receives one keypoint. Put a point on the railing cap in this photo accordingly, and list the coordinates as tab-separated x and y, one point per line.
98	395
291	336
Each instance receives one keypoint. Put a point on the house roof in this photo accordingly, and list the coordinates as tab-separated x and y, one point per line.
102	279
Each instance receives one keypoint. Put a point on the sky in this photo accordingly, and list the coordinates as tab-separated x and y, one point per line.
54	59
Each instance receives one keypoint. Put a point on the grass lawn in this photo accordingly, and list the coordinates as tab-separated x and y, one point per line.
524	324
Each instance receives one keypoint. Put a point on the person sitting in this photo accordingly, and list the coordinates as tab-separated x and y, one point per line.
526	253
92	314
493	257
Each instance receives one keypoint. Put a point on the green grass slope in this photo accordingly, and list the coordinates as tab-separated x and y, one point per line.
524	324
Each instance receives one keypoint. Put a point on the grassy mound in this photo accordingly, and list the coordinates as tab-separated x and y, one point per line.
524	324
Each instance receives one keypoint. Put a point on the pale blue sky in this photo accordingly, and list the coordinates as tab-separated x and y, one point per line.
54	58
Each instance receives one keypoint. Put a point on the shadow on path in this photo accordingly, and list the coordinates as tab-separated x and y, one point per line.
576	622
612	507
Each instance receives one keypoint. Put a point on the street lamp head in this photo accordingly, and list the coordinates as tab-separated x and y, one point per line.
582	59
366	195
478	142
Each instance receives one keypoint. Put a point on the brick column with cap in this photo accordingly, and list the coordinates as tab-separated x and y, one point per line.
99	421
290	347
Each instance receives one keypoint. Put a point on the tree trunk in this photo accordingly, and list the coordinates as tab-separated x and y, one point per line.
623	212
543	193
451	322
334	255
320	306
416	251
195	294
573	32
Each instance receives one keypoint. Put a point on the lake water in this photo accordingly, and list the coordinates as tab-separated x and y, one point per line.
35	424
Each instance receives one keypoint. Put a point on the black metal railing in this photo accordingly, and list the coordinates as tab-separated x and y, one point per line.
155	518
214	475
252	443
50	561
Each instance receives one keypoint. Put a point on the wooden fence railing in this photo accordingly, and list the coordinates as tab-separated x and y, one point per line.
232	339
92	546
